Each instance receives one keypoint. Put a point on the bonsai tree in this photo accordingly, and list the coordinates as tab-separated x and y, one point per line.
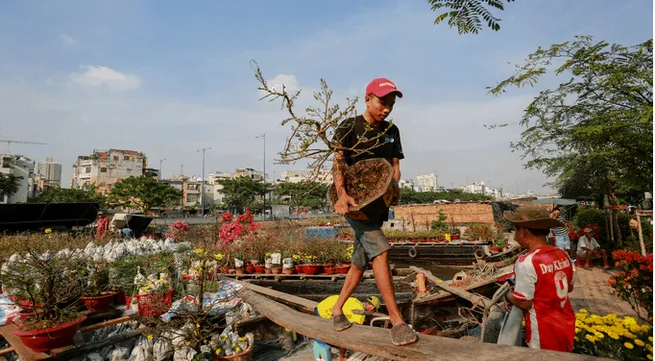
316	138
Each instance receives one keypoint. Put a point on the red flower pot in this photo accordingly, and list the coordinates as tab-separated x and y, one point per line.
288	271
268	271
250	268
455	236
128	302
153	304
276	271
49	338
99	303
311	269
328	270
225	269
260	269
299	270
119	298
342	269
239	271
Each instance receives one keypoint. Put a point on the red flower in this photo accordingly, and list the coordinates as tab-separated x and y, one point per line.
227	217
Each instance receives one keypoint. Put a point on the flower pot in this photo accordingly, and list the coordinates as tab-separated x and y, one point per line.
328	270
276	271
225	269
288	271
128	302
100	303
455	236
154	304
311	269
268	271
119	298
250	268
254	262
299	270
244	356
239	271
260	269
342	269
49	338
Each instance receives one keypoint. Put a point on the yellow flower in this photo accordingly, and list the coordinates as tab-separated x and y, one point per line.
577	330
576	339
628	345
649	356
640	343
199	251
48	230
149	337
218	257
650	338
649	347
599	335
187	343
591	338
613	335
218	351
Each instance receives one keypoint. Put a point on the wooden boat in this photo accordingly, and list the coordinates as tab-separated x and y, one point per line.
458	253
35	217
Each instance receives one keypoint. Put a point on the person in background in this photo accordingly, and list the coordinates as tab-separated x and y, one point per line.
588	248
103	225
544	279
561	234
128	233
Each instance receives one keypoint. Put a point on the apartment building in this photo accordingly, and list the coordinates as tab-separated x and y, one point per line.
103	168
19	166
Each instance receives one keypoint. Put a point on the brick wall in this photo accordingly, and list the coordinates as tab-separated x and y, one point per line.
422	215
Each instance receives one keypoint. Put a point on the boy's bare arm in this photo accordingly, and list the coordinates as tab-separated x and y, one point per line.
338	168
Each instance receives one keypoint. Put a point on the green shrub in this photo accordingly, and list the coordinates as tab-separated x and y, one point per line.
589	216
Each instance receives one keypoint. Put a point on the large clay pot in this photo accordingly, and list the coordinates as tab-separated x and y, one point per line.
311	269
49	338
342	269
250	268
384	191
99	303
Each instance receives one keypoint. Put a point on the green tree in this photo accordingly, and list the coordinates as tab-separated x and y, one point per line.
303	194
71	195
9	185
144	192
410	196
594	132
241	193
468	15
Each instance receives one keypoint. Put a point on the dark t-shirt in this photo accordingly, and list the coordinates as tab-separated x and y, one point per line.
387	146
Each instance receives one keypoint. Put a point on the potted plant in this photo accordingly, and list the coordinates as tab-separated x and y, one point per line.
52	286
97	294
154	295
344	265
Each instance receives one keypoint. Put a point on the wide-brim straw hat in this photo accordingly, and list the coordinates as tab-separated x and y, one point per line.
532	217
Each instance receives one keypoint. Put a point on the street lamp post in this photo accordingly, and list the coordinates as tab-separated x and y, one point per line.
202	184
263	136
160	162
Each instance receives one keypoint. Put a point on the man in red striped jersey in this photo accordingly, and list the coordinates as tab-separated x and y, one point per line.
544	279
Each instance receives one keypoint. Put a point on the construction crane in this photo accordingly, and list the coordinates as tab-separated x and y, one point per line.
9	141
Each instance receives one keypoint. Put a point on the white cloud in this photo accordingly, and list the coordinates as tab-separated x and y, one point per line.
102	77
287	80
67	39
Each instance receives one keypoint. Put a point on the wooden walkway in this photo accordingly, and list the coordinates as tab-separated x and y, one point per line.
376	341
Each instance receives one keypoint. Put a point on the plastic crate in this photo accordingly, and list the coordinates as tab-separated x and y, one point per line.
154	304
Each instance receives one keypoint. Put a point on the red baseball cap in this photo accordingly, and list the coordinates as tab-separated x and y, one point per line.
381	87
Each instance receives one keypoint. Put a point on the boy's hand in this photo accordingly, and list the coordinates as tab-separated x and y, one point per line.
342	206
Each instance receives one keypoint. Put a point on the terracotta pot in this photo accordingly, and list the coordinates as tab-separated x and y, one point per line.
455	236
342	268
268	271
260	269
250	268
244	356
276	271
328	270
99	303
311	269
154	304
288	271
49	338
299	270
239	271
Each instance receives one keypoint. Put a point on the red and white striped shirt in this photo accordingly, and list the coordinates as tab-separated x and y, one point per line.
544	275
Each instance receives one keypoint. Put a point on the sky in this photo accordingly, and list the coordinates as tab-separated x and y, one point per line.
170	77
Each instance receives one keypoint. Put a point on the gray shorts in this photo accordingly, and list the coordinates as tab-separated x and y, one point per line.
370	242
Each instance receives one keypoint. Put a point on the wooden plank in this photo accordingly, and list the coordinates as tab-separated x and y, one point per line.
473	298
305	305
113	322
21	350
376	341
6	351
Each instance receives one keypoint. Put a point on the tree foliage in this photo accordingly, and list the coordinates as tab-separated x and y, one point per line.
71	195
9	184
410	196
303	194
144	192
594	132
241	193
468	15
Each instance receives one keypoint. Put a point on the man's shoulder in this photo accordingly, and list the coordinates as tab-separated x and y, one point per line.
348	121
